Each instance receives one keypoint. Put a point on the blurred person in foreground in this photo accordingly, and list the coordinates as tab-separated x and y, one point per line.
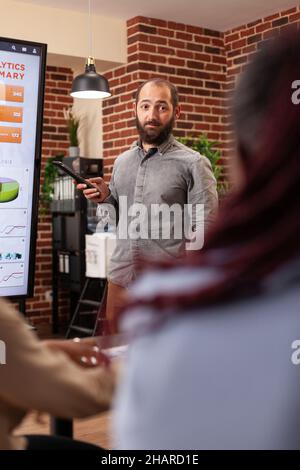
48	376
211	366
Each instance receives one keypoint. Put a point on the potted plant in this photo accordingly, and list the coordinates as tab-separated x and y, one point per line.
73	125
205	147
47	190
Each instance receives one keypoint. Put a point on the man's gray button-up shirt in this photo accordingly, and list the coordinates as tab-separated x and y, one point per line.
174	174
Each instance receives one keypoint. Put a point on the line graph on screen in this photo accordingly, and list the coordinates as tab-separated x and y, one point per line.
11	275
13	223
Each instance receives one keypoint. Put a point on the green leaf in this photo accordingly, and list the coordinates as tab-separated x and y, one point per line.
208	149
47	190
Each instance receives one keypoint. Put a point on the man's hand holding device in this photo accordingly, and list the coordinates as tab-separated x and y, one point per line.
99	191
93	188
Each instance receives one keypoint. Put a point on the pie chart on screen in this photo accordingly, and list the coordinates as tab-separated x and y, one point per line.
9	189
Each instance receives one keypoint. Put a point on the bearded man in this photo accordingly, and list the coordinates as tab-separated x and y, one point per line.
155	174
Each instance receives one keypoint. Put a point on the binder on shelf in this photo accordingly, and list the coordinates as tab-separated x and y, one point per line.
72	218
66	198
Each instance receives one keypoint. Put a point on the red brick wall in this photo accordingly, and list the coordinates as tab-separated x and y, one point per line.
203	64
191	57
241	44
55	140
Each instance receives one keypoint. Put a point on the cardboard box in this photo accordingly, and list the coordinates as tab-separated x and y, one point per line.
98	250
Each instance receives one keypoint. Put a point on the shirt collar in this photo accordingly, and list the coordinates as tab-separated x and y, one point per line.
161	149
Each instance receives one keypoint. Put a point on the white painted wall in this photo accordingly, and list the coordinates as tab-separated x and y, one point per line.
65	31
90	129
67	34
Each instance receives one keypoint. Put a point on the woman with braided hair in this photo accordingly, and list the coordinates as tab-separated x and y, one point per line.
211	362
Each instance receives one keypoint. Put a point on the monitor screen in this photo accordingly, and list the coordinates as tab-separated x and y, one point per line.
22	77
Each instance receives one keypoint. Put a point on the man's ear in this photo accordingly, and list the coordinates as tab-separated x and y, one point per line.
134	108
177	112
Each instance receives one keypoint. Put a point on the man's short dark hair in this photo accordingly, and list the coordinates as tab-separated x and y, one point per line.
160	82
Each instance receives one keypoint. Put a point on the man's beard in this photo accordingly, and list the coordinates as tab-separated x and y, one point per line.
154	135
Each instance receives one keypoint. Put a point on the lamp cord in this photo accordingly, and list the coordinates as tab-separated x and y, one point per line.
90	30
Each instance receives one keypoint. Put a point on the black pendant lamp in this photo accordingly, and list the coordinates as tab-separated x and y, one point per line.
90	84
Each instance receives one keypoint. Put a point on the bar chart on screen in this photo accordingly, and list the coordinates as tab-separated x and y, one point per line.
11	93
11	275
11	113
12	249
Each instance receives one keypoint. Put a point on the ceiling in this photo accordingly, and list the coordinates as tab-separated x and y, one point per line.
220	15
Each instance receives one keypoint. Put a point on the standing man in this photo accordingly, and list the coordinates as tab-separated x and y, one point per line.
156	173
